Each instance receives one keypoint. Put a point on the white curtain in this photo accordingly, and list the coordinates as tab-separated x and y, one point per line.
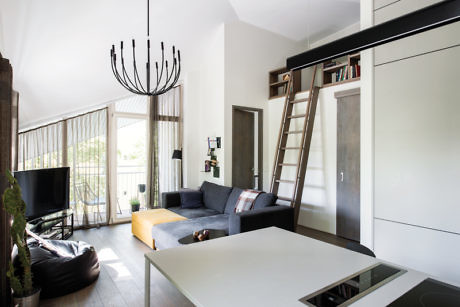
41	147
87	158
165	124
169	139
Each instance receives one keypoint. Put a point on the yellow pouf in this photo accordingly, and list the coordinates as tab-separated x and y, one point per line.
142	222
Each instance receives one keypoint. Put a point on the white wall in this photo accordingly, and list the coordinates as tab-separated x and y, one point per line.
318	208
250	53
204	111
417	147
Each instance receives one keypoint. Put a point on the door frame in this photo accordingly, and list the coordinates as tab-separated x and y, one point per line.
260	138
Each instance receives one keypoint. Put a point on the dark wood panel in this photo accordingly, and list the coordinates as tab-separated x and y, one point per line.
348	166
6	141
243	149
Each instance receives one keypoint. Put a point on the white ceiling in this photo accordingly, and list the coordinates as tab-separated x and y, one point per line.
299	19
59	49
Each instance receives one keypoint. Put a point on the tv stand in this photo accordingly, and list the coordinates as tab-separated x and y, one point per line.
56	226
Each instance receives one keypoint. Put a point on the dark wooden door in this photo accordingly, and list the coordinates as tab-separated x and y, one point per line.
348	164
243	149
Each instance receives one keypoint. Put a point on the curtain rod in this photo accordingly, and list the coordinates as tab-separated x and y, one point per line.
422	20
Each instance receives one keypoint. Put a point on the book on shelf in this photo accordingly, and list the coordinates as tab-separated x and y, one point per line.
330	64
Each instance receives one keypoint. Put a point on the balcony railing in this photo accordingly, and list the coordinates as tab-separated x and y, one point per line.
90	204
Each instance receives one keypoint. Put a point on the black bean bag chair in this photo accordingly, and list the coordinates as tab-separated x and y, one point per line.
74	267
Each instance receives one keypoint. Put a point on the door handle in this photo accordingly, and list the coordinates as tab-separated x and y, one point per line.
341	176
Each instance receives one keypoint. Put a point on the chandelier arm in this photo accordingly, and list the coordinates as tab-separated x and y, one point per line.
162	65
126	76
136	75
134	64
176	78
117	76
168	78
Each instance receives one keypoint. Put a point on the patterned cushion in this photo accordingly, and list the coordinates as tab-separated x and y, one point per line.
246	200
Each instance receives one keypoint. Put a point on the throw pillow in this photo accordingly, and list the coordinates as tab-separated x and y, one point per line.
246	200
191	199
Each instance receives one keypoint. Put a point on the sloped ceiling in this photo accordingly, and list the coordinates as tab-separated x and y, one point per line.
299	19
59	49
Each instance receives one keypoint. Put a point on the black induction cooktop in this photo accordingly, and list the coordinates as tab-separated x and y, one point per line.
430	293
352	288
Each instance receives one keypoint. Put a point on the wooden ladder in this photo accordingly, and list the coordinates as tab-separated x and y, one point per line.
303	148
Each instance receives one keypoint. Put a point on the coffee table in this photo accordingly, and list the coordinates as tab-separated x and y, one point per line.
213	234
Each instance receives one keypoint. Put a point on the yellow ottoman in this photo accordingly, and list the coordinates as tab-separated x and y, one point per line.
142	222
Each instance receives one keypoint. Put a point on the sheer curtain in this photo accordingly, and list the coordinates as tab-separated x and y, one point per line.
87	158
41	147
165	135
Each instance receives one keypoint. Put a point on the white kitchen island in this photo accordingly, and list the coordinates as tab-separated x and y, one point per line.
267	267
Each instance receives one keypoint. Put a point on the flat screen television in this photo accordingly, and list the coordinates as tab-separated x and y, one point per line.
44	191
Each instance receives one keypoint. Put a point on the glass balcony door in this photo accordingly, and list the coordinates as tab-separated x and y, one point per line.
129	165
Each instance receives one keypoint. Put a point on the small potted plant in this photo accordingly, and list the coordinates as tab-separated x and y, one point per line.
24	293
135	204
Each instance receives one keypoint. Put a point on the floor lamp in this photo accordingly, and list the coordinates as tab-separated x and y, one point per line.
177	155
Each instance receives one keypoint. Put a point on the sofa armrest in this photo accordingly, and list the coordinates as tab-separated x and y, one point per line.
170	199
279	216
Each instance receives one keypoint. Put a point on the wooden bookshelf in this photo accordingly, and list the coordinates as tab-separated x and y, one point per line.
278	82
343	70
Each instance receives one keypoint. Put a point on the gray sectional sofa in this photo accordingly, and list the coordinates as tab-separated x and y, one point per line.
217	212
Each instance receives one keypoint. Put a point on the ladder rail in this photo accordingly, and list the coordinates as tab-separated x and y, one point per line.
300	161
282	139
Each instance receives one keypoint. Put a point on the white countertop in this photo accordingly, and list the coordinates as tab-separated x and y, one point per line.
268	267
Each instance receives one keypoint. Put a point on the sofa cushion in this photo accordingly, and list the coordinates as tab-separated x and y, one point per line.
193	213
232	199
215	196
265	200
167	235
190	199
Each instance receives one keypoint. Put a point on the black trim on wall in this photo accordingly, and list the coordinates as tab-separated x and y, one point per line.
425	19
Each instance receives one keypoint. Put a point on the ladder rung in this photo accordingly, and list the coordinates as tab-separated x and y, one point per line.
285	181
293	132
285	198
287	164
299	100
297	116
290	148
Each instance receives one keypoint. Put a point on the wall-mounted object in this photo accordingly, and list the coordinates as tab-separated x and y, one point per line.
335	73
216	172
278	80
213	144
207	166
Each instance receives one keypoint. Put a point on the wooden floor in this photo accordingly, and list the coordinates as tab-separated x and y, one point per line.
121	282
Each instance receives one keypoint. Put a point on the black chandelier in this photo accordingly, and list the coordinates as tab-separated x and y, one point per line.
165	78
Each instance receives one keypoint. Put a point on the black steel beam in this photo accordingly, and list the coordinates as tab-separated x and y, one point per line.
425	19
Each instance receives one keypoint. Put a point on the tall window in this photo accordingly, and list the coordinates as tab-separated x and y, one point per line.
85	152
90	148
